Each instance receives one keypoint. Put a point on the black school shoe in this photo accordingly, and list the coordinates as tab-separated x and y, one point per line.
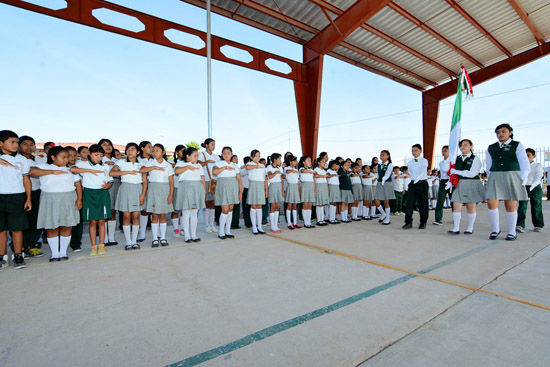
407	226
111	243
188	241
468	232
221	237
19	262
494	235
453	232
422	226
164	243
511	237
229	236
155	243
196	240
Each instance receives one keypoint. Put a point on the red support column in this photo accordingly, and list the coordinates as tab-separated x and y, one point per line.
430	117
308	102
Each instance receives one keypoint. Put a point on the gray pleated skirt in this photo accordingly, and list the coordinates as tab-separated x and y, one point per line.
384	192
322	197
127	199
506	185
468	192
308	192
227	191
334	194
292	194
209	196
57	209
113	191
357	191
275	193
346	196
435	191
368	193
176	184
157	198
190	195
256	193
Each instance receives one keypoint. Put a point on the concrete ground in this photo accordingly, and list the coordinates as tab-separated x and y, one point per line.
357	294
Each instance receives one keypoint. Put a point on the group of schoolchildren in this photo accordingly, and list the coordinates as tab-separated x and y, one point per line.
70	186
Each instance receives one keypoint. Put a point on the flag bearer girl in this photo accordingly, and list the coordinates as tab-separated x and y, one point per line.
384	188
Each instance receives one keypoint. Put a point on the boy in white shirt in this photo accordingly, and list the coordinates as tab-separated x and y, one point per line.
397	181
534	191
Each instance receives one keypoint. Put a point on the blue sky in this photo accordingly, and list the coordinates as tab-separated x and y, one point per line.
66	82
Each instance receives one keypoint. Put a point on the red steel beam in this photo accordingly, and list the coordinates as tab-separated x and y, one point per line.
347	22
430	117
478	26
528	21
80	11
433	33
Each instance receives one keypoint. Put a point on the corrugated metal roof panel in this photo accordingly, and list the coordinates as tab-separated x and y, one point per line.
366	40
342	4
533	5
453	27
452	60
482	50
304	11
424	10
400	57
432	72
424	43
390	22
516	37
492	14
541	18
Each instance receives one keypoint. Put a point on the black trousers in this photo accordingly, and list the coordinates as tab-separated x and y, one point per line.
417	192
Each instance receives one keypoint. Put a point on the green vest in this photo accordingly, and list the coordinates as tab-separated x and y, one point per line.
465	165
504	159
382	171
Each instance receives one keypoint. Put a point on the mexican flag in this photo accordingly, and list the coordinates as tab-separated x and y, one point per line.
464	85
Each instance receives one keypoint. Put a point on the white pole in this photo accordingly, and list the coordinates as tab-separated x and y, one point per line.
209	68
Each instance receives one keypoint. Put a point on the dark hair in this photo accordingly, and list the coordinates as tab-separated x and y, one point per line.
206	142
68	147
287	154
48	143
110	143
188	151
176	150
24	138
96	148
81	148
262	159
463	140
302	161
254	152
396	167
142	145
353	165
372	166
226	147
506	126
364	166
116	150
272	157
339	159
54	151
129	145
417	146
388	153
403	168
162	148
373	158
6	134
332	163
321	155
290	158
358	159
531	150
445	147
246	159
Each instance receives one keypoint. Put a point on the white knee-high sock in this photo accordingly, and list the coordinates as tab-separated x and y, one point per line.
154	229
272	221
495	220
288	217
135	231
457	216
53	242
326	212
295	215
471	221
372	211
64	245
142	225
223	219
180	222
253	220
304	215
360	207
175	223
382	211
387	220
111	226
127	235
228	223
320	212
332	216
354	212
186	224
259	220
512	218
344	215
193	223
162	230
211	217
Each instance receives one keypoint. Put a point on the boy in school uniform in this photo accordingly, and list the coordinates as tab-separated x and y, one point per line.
418	188
15	197
444	167
397	180
534	191
246	207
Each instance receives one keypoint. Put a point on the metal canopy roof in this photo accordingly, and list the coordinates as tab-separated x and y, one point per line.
419	43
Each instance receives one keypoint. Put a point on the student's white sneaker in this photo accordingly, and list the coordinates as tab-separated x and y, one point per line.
208	229
4	261
213	229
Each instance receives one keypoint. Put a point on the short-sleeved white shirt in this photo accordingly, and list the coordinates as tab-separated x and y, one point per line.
190	175
160	176
91	181
321	172
11	178
209	157
35	181
144	161
333	180
126	165
355	180
244	177
306	177
256	174
291	177
57	183
367	181
276	178
227	173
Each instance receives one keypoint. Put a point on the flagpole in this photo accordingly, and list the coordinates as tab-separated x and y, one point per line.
209	68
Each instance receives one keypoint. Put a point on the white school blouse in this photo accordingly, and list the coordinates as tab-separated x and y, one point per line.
277	178
126	165
333	180
91	181
160	176
355	179
397	181
226	173
430	180
367	179
244	177
35	181
209	157
256	174
291	177
306	177
11	178
474	169
57	183
534	178
444	166
190	175
418	169
321	172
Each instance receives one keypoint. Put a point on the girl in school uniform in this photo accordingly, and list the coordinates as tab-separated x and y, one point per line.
160	193
131	194
292	197
276	190
177	220
207	159
357	191
507	172
191	192
308	187
257	190
334	189
109	161
60	201
145	156
430	179
384	188
346	193
320	187
435	188
373	208
96	202
229	190
469	190
367	180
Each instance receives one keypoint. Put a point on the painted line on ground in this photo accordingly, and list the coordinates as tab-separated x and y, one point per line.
285	325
